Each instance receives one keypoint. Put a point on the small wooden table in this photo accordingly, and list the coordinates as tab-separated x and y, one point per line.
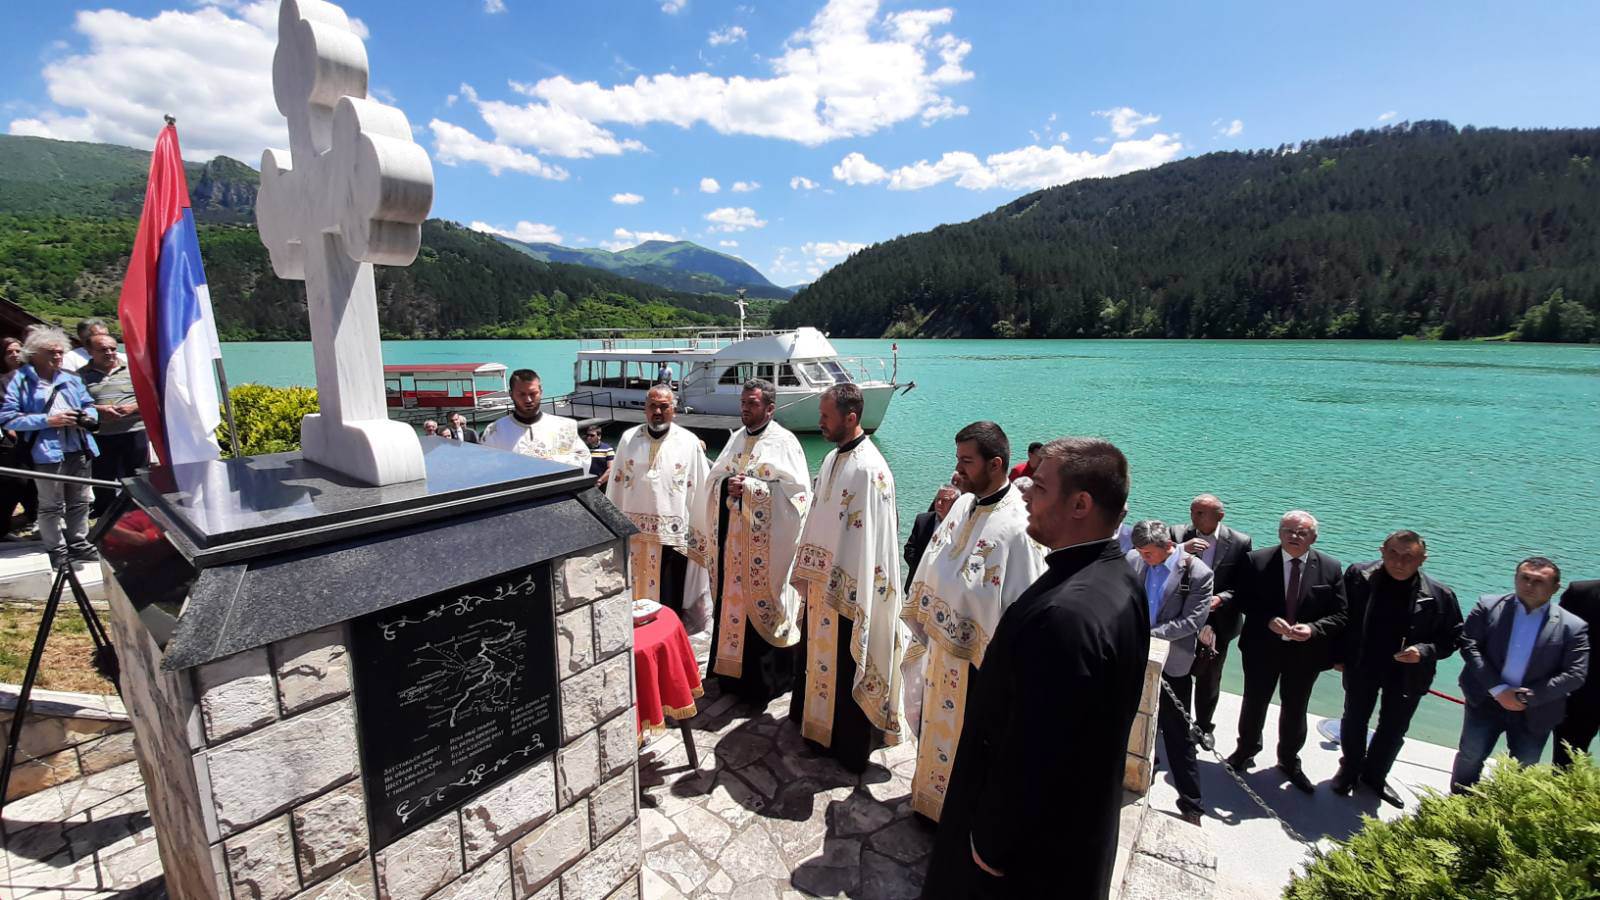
666	677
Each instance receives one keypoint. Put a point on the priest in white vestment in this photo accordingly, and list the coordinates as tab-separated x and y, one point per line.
657	472
979	560
745	530
531	431
848	573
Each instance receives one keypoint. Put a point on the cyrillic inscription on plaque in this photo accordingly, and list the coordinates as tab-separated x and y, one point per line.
455	693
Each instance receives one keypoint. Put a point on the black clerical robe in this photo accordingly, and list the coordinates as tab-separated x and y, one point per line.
1037	783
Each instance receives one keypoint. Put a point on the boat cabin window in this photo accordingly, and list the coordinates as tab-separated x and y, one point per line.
494	382
766	372
815	373
644	374
737	374
840	376
391	385
787	377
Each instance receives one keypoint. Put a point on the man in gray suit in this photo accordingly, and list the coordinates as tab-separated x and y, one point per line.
1223	550
1177	589
1523	655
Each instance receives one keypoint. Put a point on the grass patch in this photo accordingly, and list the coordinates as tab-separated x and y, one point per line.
68	654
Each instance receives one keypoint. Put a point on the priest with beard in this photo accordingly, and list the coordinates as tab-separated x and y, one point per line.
1034	799
744	529
657	472
848	574
532	432
979	561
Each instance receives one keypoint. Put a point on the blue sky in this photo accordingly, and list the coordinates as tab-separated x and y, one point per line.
825	126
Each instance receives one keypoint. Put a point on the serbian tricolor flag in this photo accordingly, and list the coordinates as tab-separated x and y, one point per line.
166	318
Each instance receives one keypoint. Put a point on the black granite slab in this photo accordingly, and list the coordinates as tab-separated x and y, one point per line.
228	510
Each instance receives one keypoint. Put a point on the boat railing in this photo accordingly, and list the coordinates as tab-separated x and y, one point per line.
865	369
667	338
584	404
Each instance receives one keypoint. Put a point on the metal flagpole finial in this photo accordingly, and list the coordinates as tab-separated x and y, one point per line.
170	120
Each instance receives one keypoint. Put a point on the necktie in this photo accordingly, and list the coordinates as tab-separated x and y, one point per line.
1291	597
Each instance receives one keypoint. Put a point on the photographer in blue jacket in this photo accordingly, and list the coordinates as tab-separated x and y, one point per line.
52	413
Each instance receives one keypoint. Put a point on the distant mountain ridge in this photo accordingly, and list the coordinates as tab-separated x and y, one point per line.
678	265
68	212
1414	230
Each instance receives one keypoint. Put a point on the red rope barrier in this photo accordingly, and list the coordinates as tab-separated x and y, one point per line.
1444	696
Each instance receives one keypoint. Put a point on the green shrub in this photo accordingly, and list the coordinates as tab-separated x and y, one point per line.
1529	832
268	418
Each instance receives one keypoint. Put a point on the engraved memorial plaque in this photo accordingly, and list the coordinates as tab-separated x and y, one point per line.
455	693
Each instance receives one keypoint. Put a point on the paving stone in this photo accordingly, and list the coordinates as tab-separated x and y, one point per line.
752	854
1177	843
312	668
819	881
760	777
741	748
236	694
837	853
907	840
754	890
885	879
657	887
130	867
34	775
495	819
330	832
656	829
490	881
719	883
888	790
628	891
261	863
574	642
421	862
797	839
734	800
679	865
859	814
705	831
1149	878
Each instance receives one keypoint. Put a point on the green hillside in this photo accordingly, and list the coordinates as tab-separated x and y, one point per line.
678	265
68	216
1414	230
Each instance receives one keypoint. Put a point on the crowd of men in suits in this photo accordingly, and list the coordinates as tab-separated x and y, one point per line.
1384	625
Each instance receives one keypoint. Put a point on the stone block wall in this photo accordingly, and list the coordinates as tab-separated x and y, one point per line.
270	796
66	736
1141	765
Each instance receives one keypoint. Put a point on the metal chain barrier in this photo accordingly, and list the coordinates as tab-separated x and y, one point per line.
1201	739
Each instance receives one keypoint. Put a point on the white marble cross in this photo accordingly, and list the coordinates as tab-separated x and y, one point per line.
351	191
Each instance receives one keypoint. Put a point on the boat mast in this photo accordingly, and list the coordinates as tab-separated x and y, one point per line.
740	303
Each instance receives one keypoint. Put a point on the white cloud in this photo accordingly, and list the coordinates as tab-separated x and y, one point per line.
1229	129
528	232
494	6
824	251
135	69
857	169
802	183
626	199
453	145
1125	120
545	128
673	7
727	244
850	72
729	35
1026	168
1389	116
625	238
709	186
730	218
745	187
815	258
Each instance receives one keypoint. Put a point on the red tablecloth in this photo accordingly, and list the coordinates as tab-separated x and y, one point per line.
666	677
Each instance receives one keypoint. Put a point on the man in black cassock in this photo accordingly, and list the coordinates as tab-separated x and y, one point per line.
1036	791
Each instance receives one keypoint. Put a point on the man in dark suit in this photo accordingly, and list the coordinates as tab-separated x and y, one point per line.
1401	622
1177	587
926	523
1582	599
1036	791
459	430
1524	656
1223	550
1293	602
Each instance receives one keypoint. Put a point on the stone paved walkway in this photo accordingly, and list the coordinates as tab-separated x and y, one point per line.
765	817
89	839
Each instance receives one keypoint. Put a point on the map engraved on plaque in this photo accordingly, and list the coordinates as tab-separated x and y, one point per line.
455	693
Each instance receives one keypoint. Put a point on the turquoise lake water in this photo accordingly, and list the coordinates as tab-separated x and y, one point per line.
1491	451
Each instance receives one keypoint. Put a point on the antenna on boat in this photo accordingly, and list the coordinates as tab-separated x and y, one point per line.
740	303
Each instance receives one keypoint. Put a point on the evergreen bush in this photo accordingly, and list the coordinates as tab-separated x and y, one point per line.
268	418
1523	832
